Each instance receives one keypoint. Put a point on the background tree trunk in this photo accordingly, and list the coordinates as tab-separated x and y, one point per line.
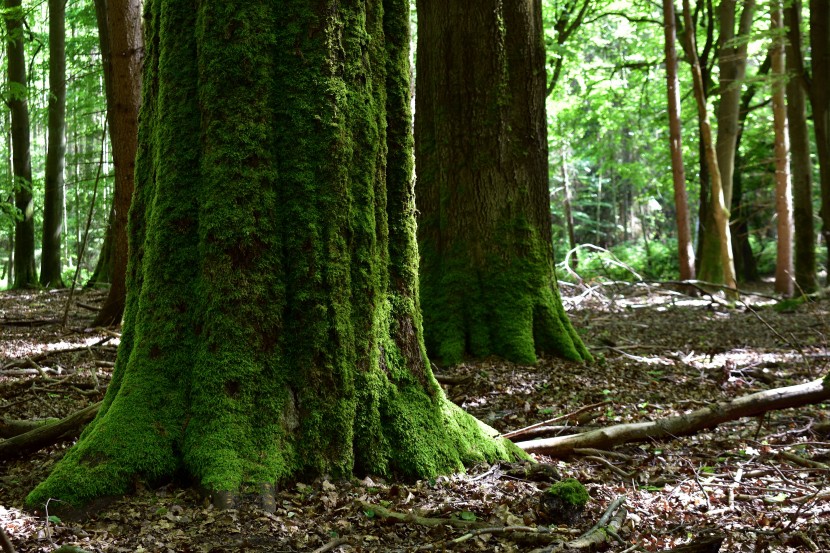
123	23
50	262
487	277
25	274
820	99
784	272
801	163
685	251
732	64
272	328
720	214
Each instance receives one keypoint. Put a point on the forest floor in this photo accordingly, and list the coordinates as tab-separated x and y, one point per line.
761	483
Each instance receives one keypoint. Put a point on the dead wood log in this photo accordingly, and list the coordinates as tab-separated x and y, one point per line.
48	434
689	423
10	428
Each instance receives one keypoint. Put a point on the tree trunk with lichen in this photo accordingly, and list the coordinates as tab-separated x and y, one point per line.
272	328
487	279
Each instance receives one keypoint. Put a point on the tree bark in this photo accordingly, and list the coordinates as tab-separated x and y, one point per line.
569	216
752	405
487	271
272	328
801	163
732	64
25	274
50	262
820	100
685	251
47	434
784	271
126	49
720	214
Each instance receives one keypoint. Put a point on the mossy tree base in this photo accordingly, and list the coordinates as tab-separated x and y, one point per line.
272	328
487	273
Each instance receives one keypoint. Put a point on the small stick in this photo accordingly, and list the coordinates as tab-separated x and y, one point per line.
581	410
331	545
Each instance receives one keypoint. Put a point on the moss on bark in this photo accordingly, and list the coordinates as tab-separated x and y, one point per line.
272	329
487	271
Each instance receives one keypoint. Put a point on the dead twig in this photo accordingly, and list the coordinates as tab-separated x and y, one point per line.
579	411
331	545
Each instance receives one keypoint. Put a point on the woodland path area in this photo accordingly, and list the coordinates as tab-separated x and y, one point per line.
760	483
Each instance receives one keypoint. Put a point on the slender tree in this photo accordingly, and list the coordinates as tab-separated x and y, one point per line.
820	100
685	251
732	53
720	214
272	327
487	277
53	203
25	274
784	272
123	63
801	162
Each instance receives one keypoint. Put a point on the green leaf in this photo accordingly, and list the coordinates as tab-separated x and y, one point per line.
369	513
467	515
55	520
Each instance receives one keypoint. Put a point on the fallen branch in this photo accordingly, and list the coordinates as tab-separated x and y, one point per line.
10	428
607	526
522	431
48	434
752	405
386	514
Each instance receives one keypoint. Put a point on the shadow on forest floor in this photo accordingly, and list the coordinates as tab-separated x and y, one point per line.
760	482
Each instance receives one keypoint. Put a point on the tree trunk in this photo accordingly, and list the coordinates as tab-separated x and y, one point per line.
820	99
720	214
50	263
123	28
487	276
569	216
801	164
732	65
25	274
784	271
272	328
685	251
102	275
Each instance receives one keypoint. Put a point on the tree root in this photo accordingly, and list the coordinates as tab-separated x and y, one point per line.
47	434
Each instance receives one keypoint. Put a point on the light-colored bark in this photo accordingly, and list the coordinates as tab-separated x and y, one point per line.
720	213
817	391
784	282
685	251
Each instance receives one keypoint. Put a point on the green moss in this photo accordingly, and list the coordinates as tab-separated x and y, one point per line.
570	491
272	328
508	305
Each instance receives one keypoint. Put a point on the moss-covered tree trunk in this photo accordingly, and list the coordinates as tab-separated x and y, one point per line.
272	328
25	274
487	277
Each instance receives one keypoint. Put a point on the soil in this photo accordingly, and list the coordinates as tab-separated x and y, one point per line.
759	483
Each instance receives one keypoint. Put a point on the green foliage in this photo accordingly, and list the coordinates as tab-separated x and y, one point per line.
629	261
